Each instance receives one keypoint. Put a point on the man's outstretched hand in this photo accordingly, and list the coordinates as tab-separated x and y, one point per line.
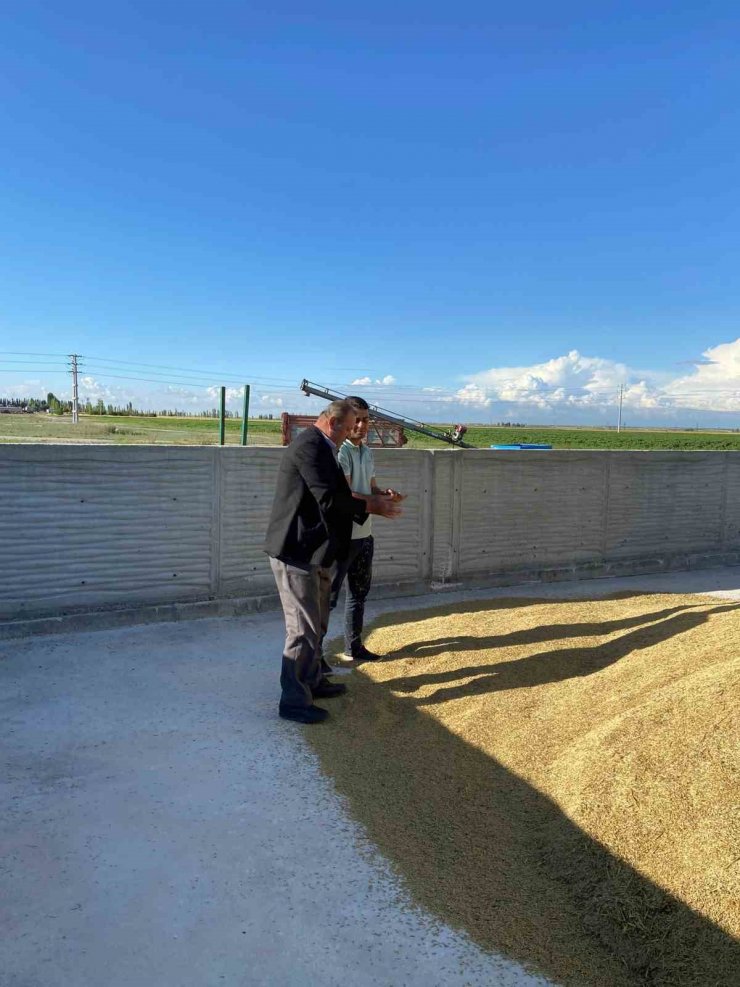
395	496
383	504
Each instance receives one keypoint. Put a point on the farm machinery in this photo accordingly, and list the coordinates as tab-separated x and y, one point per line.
379	415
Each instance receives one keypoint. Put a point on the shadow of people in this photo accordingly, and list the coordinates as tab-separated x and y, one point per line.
478	846
551	666
531	635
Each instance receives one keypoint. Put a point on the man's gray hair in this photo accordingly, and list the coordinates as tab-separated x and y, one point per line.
338	410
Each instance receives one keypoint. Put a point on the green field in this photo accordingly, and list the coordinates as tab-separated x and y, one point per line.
125	430
119	430
585	438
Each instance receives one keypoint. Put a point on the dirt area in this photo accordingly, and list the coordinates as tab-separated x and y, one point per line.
558	778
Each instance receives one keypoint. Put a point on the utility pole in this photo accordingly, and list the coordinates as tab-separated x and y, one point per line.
621	395
75	394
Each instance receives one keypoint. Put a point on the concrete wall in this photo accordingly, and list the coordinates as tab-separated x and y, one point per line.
89	526
532	512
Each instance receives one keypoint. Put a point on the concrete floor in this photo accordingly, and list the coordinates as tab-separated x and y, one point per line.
161	826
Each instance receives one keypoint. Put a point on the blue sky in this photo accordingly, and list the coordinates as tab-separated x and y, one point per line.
481	211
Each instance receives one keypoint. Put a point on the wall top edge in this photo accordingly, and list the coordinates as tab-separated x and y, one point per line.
69	450
43	450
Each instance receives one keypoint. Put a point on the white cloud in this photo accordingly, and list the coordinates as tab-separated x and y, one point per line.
232	393
570	388
715	383
184	396
472	394
366	381
26	389
577	383
572	380
91	389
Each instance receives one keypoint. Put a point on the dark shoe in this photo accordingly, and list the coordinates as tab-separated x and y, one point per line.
327	690
362	654
303	714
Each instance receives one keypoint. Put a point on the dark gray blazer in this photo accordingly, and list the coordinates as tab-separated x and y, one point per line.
313	510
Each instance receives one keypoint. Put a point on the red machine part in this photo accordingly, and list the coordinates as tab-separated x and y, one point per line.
381	434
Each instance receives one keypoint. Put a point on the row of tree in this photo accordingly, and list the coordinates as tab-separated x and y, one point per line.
31	404
55	406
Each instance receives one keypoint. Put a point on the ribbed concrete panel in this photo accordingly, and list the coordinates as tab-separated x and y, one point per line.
732	500
529	508
83	526
403	545
444	562
247	489
664	503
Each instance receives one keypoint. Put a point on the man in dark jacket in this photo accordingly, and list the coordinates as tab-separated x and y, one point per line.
311	528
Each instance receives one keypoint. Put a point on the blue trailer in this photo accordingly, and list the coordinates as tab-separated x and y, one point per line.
523	445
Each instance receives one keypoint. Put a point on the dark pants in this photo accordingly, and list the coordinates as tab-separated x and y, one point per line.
358	568
304	594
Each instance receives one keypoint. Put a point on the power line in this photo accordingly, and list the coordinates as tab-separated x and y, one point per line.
237	384
21	353
167	366
195	385
156	378
189	371
414	394
14	362
150	380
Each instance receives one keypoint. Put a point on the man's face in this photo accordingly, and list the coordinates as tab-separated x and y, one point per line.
341	428
362	422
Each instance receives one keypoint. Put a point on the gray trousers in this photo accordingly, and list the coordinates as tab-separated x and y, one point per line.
304	595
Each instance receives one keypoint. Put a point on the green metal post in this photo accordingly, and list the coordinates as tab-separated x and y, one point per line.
222	417
245	415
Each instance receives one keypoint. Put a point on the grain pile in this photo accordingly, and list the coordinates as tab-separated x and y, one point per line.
559	778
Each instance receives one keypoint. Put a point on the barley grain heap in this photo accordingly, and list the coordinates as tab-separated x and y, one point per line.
558	778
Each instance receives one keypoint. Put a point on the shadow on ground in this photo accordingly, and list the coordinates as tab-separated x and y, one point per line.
488	853
548	666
